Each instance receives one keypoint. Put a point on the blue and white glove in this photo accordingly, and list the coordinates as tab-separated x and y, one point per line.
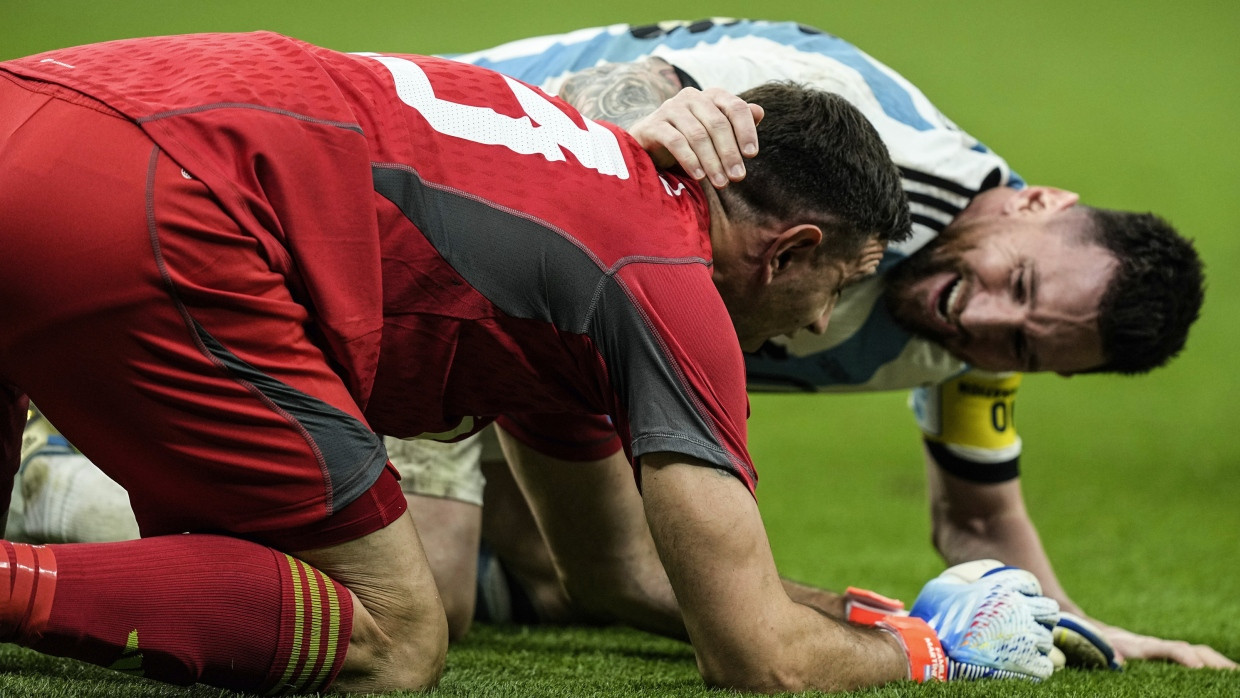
1081	645
995	624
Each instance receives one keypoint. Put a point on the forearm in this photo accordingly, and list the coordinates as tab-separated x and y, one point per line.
1013	539
632	593
596	526
651	605
746	631
621	93
978	520
811	652
973	521
590	515
825	602
1009	537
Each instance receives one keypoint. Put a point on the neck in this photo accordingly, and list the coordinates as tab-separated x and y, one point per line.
737	248
727	243
720	225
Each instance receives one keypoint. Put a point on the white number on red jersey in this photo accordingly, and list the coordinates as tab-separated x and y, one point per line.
594	146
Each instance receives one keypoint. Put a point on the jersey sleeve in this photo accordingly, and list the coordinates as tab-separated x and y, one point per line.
676	368
682	387
968	425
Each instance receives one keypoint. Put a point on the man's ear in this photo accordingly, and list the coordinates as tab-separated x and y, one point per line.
1040	200
793	247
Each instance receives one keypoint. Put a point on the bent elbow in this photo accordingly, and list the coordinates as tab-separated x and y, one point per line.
730	674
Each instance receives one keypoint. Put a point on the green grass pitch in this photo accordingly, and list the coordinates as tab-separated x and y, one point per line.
1135	483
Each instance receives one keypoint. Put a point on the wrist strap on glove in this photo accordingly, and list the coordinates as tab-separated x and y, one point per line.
926	659
866	607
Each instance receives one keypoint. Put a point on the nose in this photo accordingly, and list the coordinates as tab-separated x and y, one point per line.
819	326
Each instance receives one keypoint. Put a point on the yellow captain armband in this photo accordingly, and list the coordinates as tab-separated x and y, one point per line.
969	424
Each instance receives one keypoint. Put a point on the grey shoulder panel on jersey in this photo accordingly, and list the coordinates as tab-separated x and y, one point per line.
530	269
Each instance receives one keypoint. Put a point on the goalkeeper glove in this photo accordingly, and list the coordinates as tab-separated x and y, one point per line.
990	622
995	626
1082	645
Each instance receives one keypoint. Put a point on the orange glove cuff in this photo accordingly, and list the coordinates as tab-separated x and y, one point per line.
867	607
926	659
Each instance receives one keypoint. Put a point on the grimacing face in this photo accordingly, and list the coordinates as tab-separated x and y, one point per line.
1008	293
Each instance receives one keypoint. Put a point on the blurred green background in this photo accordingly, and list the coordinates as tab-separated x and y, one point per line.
1135	482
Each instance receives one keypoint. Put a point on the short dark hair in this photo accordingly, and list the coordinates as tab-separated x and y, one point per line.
821	161
1155	295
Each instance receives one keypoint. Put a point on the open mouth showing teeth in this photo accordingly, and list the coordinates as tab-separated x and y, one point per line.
947	300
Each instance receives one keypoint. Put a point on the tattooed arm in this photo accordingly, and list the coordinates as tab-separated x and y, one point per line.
621	93
705	132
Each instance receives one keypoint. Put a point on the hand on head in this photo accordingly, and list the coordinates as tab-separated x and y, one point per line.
708	133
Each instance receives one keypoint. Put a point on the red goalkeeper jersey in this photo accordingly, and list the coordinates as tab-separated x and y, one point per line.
466	245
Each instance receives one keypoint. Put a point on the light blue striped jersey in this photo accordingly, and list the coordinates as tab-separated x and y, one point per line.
943	168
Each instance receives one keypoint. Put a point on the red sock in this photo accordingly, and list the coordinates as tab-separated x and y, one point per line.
180	609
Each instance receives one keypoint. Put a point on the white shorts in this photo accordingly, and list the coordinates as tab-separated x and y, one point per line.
444	470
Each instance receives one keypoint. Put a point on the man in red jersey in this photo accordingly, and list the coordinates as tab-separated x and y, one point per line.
264	248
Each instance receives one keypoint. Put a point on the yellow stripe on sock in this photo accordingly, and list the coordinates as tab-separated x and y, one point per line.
291	671
315	640
333	628
329	617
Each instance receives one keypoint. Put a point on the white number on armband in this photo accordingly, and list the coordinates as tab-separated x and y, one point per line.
594	146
